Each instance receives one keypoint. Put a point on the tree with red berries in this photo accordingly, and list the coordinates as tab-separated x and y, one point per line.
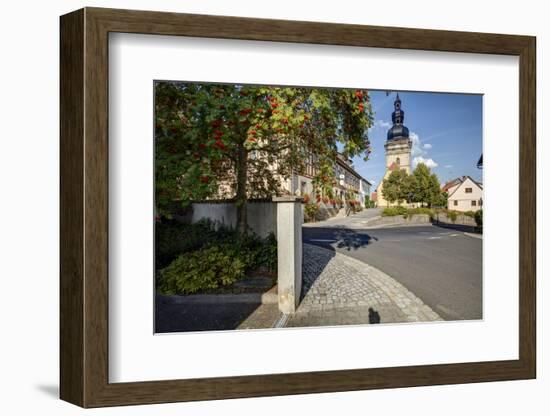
238	142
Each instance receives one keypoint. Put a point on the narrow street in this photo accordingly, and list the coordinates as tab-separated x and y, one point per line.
441	266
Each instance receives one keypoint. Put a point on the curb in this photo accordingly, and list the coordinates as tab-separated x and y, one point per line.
478	236
377	227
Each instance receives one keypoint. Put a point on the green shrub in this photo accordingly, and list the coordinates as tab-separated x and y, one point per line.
479	218
217	265
368	202
207	268
452	215
267	253
420	211
173	238
470	214
393	211
310	211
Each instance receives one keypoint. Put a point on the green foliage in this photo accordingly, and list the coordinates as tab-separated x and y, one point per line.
368	202
425	188
393	211
407	212
441	200
421	187
470	214
204	269
217	265
173	238
396	186
452	215
420	211
266	255
212	134
310	210
479	218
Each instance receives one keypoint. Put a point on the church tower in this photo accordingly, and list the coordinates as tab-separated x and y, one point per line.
398	149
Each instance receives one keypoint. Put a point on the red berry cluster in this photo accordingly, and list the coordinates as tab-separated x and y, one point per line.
359	96
245	111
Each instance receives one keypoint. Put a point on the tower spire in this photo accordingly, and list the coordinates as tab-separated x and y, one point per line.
398	130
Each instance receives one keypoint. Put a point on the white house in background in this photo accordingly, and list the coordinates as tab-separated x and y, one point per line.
465	194
364	190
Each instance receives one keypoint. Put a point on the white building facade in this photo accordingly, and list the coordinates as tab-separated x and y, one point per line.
465	194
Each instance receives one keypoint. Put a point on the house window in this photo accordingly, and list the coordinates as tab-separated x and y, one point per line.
474	203
468	190
455	202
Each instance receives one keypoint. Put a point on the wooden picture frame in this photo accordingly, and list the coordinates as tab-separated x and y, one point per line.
84	207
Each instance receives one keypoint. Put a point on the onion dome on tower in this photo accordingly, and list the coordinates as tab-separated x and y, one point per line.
398	130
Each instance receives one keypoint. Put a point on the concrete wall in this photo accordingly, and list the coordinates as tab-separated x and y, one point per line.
262	216
398	220
461	219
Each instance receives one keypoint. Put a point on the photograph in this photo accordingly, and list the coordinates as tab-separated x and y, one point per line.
297	206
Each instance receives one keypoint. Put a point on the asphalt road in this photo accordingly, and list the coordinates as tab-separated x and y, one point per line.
441	266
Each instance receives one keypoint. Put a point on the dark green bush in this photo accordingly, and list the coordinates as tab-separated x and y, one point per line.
173	238
393	211
452	215
204	269
479	218
421	211
199	257
267	253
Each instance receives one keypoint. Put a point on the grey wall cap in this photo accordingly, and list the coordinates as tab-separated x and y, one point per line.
287	198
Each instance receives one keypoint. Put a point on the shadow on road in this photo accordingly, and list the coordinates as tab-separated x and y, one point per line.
350	239
347	239
457	227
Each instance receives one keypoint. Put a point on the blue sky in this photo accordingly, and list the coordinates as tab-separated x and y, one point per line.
446	130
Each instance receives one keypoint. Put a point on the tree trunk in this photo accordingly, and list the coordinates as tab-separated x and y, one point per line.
240	197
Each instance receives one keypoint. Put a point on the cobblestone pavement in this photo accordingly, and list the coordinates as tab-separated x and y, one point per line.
340	290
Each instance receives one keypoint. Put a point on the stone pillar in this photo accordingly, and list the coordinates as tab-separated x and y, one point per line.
289	252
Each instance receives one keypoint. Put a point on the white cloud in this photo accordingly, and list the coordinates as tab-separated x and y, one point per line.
383	124
380	124
448	166
427	146
428	162
416	147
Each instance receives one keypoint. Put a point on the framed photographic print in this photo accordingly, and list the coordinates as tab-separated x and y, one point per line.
255	207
